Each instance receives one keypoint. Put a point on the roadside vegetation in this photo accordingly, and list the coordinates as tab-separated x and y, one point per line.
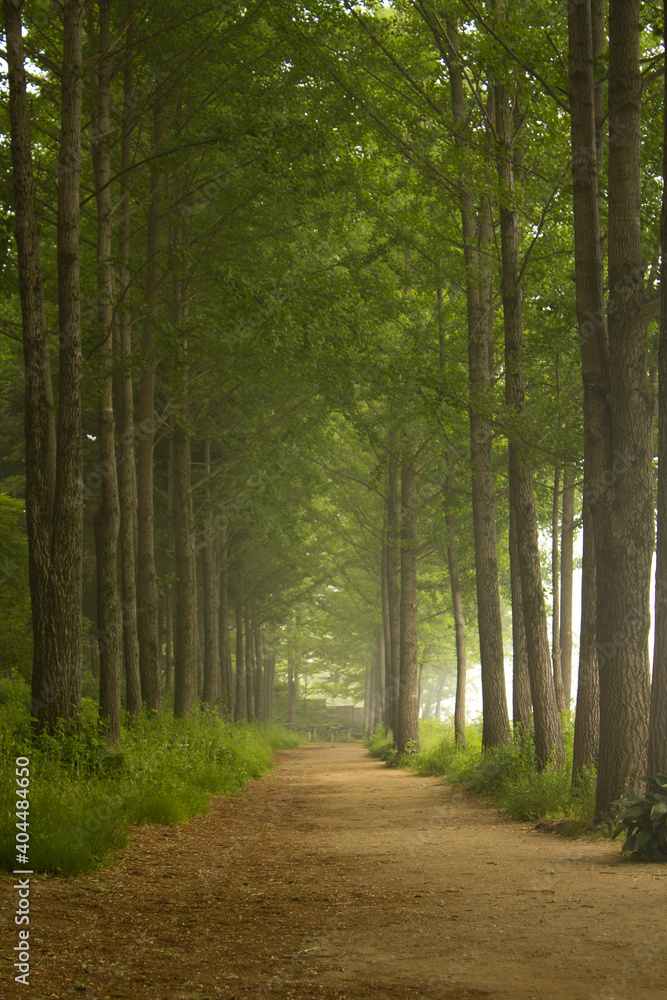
507	774
85	795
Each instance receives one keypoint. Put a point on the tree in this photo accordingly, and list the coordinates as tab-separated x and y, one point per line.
53	451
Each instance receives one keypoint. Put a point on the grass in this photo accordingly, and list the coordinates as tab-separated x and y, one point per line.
507	774
84	796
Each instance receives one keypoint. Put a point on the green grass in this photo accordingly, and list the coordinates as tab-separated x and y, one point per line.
507	774
84	796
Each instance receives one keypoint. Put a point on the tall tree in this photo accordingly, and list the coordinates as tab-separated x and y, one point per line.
548	737
566	582
107	517
476	232
408	699
54	492
657	740
124	404
147	613
624	510
459	626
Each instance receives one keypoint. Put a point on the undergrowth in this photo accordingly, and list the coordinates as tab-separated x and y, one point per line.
508	774
84	795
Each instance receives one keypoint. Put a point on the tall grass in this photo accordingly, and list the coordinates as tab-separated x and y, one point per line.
508	774
84	796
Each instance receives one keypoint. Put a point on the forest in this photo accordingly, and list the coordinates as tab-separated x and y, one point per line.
333	341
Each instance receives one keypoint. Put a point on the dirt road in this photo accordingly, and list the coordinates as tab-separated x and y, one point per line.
336	877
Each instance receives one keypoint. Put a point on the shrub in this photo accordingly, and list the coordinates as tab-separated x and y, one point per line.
643	819
84	795
509	775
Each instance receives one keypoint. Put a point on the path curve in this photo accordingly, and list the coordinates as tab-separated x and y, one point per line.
337	877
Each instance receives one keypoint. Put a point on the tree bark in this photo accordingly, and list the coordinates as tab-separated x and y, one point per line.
566	583
393	586
186	626
625	508
657	734
555	591
408	698
168	634
522	704
587	715
548	737
386	630
460	631
292	689
39	414
107	516
477	237
259	674
269	681
211	596
127	473
249	670
586	37
57	685
226	676
67	538
149	662
240	690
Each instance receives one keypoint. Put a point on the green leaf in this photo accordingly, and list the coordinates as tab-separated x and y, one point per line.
658	810
643	841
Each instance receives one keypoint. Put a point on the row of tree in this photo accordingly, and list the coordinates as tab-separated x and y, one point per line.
319	341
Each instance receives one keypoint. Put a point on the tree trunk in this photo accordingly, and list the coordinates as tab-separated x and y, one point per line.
548	737
522	703
386	629
393	586
268	661
185	632
587	716
226	677
149	663
211	597
171	548
657	733
625	507
460	631
380	711
566	583
249	670
168	633
555	592
292	690
477	237
586	114
107	516
127	473
240	692
259	674
39	414
408	697
368	695
377	696
61	677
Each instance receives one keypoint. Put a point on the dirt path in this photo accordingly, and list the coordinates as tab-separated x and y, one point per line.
336	877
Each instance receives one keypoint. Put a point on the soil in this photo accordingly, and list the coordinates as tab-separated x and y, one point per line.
337	877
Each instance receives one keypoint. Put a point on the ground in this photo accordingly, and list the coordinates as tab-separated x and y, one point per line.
337	877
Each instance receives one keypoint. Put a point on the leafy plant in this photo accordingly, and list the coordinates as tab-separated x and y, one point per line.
643	819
